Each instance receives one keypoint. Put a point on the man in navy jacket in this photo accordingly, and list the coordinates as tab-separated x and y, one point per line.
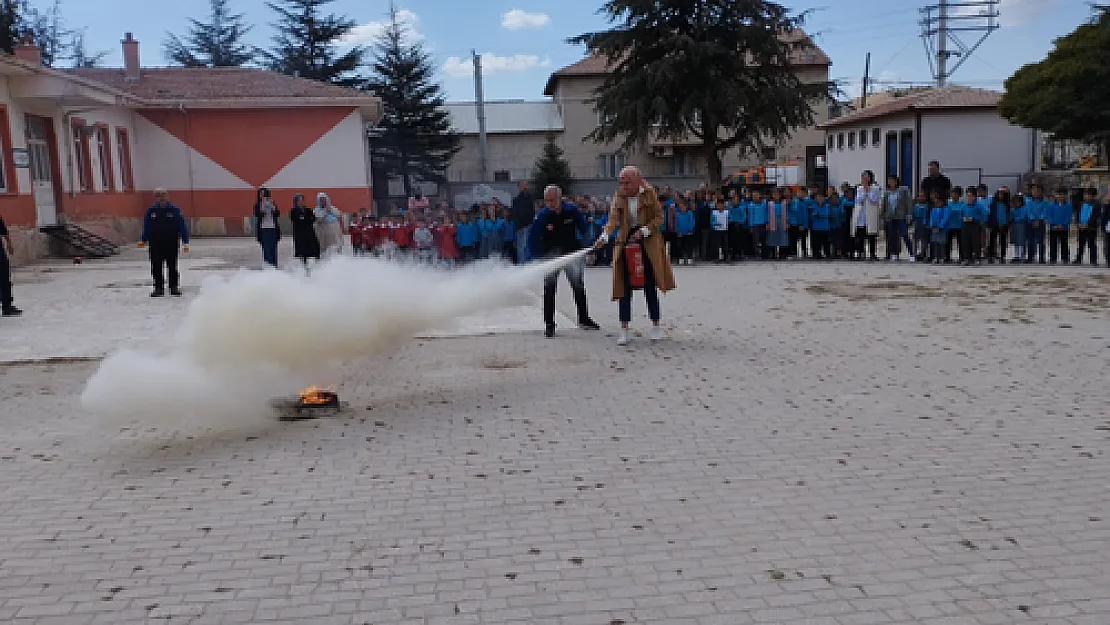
555	233
163	229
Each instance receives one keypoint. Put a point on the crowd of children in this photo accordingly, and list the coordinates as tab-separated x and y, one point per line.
818	223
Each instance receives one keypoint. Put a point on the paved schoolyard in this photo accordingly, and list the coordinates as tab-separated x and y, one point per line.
830	444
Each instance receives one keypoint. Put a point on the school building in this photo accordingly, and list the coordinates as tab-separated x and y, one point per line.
81	150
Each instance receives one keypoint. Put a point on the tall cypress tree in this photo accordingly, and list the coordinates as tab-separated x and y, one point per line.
9	25
552	168
307	43
47	29
414	138
217	43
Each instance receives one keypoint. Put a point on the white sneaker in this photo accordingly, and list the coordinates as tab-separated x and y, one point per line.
623	338
912	259
656	333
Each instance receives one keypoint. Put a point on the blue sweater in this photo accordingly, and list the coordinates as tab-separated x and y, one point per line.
921	214
738	213
938	217
836	215
999	213
819	214
1086	213
981	211
1037	209
757	213
1020	215
797	212
684	223
466	235
1059	215
955	215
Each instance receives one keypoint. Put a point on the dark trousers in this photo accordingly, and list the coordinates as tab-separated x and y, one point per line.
468	253
551	281
624	306
163	258
870	240
686	247
759	235
737	241
799	241
1088	238
705	240
997	240
5	279
670	239
971	242
718	246
1034	244
897	233
822	246
268	239
1058	242
1105	248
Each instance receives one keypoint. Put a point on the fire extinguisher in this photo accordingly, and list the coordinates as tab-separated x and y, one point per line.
634	265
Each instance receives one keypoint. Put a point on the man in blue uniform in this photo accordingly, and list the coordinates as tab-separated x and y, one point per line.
163	229
555	233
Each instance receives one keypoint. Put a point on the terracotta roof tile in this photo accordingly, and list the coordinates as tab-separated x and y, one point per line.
228	84
597	65
952	96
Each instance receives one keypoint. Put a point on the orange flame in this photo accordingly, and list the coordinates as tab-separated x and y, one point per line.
315	396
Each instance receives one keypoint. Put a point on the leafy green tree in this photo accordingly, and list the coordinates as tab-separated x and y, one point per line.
307	43
719	70
215	43
552	168
414	139
1066	94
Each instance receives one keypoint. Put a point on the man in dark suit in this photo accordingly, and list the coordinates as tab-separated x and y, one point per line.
555	233
6	250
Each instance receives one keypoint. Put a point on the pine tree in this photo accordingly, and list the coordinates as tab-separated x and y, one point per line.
552	168
47	30
307	43
414	140
10	24
719	70
79	55
217	43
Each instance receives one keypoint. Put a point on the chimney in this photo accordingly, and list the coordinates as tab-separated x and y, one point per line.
130	57
28	51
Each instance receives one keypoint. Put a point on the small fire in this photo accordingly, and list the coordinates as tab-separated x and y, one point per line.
315	396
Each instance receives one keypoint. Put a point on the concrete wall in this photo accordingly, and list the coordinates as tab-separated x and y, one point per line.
970	140
515	153
846	164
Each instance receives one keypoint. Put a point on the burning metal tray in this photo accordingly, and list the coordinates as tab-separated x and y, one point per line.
310	403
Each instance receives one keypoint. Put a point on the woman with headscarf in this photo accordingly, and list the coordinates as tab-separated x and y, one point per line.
305	243
266	227
329	227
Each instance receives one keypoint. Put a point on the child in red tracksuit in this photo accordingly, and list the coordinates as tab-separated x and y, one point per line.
448	247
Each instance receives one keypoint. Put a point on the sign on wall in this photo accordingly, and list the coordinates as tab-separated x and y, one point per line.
21	158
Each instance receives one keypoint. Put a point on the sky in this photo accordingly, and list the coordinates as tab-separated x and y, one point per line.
523	41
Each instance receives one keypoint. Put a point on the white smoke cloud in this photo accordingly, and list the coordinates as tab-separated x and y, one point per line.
256	336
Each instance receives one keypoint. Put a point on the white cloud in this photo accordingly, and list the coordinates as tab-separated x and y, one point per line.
458	67
1011	12
368	33
519	19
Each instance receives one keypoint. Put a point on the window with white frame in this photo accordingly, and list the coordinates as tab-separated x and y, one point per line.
610	165
862	139
840	141
876	137
104	156
851	140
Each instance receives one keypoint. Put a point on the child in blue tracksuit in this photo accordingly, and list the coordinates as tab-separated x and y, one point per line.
466	237
971	237
820	225
955	213
1090	216
1019	227
1037	213
938	224
998	226
1059	215
848	204
508	238
921	231
836	221
797	221
737	226
757	224
684	228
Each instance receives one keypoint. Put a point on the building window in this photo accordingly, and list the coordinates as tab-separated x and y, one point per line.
892	154
502	176
862	139
610	165
104	156
832	142
123	148
840	141
769	154
851	140
876	137
82	159
683	164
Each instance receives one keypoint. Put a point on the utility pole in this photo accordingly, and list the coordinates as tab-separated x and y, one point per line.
866	80
941	28
480	108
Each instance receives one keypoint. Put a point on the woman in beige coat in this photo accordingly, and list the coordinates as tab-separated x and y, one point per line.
637	216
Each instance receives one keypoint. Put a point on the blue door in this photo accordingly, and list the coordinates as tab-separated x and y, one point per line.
891	156
907	158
